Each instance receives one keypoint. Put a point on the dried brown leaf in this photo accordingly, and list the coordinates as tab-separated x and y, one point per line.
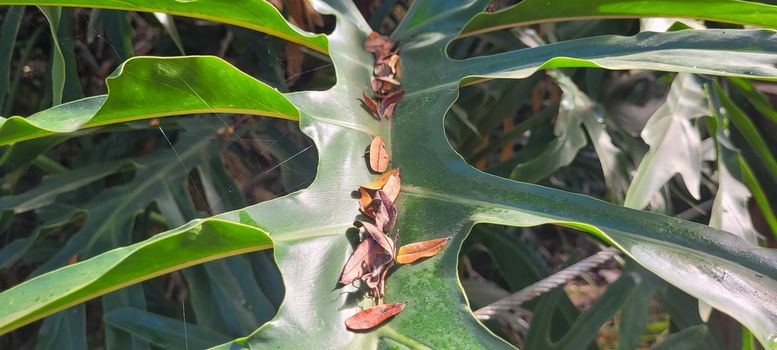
379	45
392	63
372	105
382	180
382	70
392	186
386	243
373	316
389	80
411	252
387	104
365	198
379	158
368	256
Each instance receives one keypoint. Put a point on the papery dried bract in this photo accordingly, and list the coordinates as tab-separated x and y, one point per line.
414	251
373	316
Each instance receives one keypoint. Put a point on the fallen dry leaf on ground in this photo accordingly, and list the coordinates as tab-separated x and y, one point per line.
379	158
373	316
412	252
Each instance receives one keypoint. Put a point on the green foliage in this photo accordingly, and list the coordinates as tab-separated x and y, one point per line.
310	231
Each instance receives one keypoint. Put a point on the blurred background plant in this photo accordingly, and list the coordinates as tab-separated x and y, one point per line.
622	136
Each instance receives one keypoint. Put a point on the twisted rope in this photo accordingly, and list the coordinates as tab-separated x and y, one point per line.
544	285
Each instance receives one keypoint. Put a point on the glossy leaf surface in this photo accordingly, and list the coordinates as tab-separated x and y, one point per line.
143	87
442	196
258	15
542	11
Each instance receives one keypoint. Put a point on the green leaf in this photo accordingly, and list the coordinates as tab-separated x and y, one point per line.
258	15
196	83
543	11
202	240
312	232
57	58
164	332
712	51
11	22
730	210
674	143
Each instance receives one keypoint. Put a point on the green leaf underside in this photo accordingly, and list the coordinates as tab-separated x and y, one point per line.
143	88
258	15
543	11
443	196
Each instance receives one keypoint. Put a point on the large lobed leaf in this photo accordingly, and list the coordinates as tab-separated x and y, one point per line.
443	196
258	15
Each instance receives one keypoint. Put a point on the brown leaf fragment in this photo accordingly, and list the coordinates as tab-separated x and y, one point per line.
376	281
372	105
382	180
383	241
385	212
389	80
368	256
381	87
391	187
379	158
382	70
392	63
365	198
411	252
387	104
379	45
373	316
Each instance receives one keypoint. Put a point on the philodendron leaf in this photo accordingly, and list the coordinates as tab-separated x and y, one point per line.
195	83
443	196
258	15
674	142
542	11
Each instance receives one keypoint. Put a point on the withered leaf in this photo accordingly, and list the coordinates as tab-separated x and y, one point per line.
372	105
378	236
381	180
379	158
411	252
392	63
389	80
386	107
376	281
385	211
391	187
382	70
373	316
379	45
365	198
368	256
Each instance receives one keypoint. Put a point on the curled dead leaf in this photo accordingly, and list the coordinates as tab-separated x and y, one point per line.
386	243
379	158
412	252
372	105
368	256
389	80
379	45
373	316
387	104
